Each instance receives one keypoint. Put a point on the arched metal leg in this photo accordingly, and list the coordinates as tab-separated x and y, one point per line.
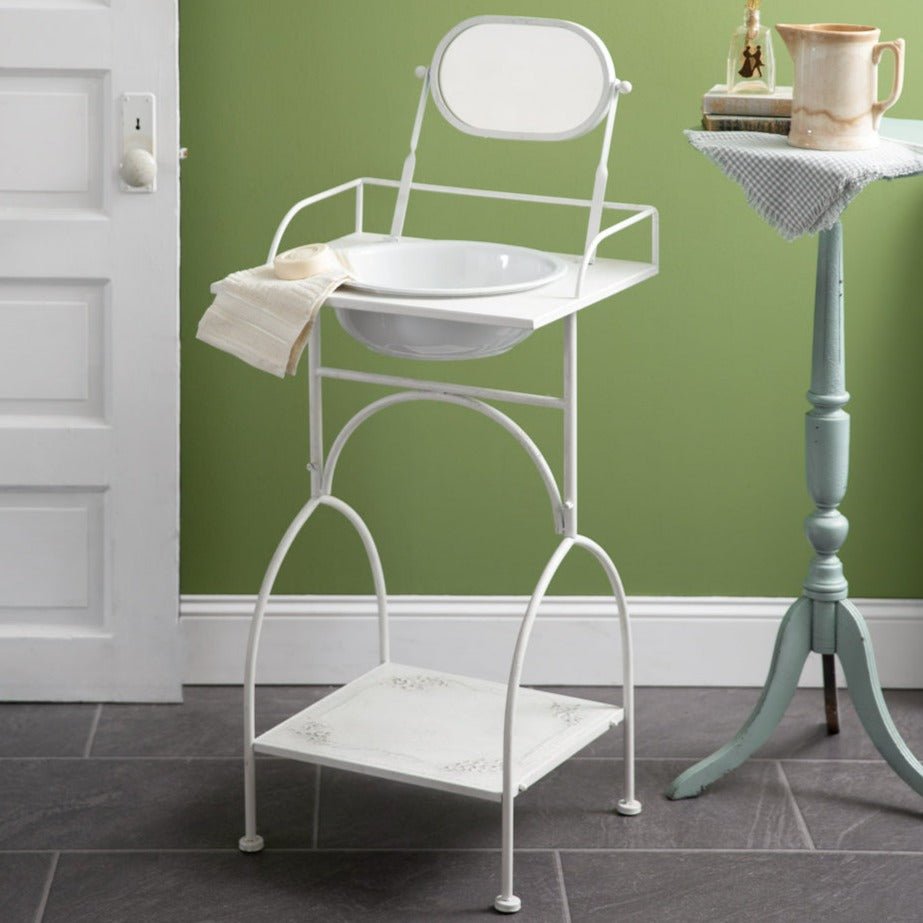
506	901
251	841
854	648
378	576
793	644
629	805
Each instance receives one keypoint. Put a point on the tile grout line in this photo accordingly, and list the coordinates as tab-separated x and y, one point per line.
585	759
799	817
736	851
92	735
559	869
151	758
315	827
46	890
493	850
753	759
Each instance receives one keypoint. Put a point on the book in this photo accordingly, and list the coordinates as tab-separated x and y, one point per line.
775	125
717	101
908	132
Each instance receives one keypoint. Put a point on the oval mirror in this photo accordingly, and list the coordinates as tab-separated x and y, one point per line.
514	77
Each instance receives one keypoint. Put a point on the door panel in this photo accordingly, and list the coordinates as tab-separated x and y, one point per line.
88	357
52	349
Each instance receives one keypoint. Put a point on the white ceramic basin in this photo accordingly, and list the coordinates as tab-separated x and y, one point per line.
427	337
440	269
448	268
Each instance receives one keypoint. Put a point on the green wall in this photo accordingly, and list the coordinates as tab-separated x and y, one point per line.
692	385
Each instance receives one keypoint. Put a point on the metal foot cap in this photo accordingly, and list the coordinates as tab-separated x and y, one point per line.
628	808
250	843
511	904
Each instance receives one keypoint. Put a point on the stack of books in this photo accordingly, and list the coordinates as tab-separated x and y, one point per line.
770	112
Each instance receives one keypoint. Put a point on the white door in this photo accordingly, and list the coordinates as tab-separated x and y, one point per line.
88	355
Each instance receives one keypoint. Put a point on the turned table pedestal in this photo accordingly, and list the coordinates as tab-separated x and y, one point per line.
822	620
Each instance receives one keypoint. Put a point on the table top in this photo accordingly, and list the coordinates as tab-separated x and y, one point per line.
907	131
532	309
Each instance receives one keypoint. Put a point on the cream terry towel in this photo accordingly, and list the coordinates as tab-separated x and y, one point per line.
265	320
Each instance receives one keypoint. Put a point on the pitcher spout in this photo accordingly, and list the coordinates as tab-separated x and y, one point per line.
790	35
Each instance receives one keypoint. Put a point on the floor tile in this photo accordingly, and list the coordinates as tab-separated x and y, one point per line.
857	806
676	723
166	777
22	883
45	729
803	734
295	887
209	722
691	723
115	804
730	888
570	808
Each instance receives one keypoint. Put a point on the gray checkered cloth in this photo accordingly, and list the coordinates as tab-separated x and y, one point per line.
799	191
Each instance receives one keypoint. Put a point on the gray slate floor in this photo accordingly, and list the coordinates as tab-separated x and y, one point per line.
132	813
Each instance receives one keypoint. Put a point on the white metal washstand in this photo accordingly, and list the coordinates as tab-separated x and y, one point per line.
501	77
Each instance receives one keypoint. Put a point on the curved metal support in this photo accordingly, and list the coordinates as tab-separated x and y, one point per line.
403	397
589	253
378	577
628	805
506	901
251	841
304	203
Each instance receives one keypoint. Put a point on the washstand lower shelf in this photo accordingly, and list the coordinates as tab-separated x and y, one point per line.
438	730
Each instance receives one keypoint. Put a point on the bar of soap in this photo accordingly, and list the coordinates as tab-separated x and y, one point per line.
304	262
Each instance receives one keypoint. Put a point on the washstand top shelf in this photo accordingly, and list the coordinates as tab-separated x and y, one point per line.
531	309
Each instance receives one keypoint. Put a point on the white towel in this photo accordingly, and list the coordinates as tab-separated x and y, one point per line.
264	320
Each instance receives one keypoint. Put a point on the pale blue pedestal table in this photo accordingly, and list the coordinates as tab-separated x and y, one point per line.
803	192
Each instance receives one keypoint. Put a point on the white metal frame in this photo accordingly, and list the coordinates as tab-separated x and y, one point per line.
564	510
639	213
593	40
563	502
607	108
601	178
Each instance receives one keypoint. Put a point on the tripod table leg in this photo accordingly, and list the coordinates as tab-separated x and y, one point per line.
854	648
793	644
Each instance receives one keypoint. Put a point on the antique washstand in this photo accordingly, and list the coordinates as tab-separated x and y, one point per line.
494	77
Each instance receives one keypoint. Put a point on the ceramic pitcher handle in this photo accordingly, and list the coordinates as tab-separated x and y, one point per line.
897	46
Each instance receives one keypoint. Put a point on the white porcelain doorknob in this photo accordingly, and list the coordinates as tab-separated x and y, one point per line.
138	168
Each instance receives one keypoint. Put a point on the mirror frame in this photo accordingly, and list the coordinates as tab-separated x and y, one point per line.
606	98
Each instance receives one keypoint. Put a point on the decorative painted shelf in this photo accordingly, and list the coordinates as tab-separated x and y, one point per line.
438	730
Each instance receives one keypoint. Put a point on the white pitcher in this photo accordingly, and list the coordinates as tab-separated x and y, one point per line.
835	105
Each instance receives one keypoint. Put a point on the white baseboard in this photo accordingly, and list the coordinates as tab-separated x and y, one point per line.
678	641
